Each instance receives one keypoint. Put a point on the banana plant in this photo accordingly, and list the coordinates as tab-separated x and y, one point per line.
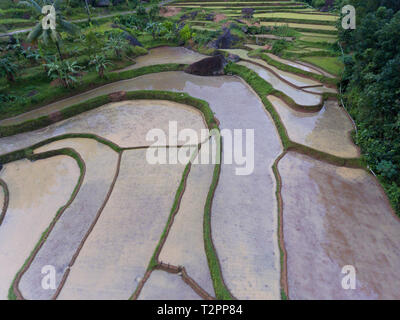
117	43
101	64
8	68
64	71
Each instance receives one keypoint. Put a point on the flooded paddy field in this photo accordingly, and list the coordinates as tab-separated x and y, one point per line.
163	55
58	250
119	223
166	286
117	252
185	242
37	191
327	130
124	123
334	217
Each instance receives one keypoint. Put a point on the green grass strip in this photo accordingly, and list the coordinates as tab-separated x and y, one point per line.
178	196
302	21
71	111
284	67
221	291
279	201
28	152
263	89
89	83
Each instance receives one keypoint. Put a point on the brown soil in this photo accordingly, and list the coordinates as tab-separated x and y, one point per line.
218	17
56	83
250	24
169	11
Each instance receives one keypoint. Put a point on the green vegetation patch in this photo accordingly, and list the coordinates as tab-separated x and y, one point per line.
90	82
263	89
330	64
291	69
297	16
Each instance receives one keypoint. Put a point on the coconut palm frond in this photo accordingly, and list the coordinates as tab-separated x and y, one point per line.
54	35
35	32
68	26
46	36
32	4
57	3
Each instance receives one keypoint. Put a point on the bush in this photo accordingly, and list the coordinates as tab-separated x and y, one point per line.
139	51
185	34
318	3
278	46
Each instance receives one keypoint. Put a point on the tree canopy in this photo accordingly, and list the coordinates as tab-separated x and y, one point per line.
372	86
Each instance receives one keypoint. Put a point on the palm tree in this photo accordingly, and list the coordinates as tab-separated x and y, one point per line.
49	34
8	68
101	63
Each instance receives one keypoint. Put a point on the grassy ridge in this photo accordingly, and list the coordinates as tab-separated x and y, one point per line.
221	291
291	69
263	89
70	111
91	82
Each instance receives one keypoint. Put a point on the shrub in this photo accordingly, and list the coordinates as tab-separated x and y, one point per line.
278	46
185	34
139	51
318	3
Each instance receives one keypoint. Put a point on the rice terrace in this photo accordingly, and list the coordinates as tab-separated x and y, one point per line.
199	150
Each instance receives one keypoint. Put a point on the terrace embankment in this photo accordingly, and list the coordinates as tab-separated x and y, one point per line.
66	236
163	55
256	264
244	207
125	123
237	107
327	130
166	286
184	245
4	197
299	96
118	250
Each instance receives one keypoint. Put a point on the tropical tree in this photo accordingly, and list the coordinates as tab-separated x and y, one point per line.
101	63
155	28
169	30
117	43
8	68
49	34
93	43
64	71
154	12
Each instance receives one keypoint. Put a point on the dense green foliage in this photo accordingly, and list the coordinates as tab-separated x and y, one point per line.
372	87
